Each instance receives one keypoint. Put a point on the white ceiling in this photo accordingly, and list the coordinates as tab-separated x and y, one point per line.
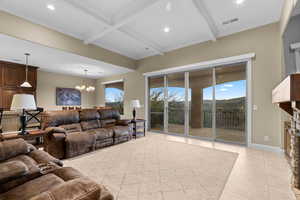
53	60
134	28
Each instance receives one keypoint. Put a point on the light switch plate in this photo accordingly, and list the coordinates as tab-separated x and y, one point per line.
255	107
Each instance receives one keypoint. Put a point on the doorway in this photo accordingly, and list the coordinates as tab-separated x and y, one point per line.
209	103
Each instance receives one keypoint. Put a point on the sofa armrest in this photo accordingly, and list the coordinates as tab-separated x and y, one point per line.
54	141
51	130
11	170
44	157
80	188
123	122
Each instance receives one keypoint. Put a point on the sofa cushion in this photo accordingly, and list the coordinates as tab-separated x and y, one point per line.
89	114
33	172
79	143
67	173
121	131
101	133
12	148
12	169
109	114
71	128
92	124
32	188
57	118
77	189
108	123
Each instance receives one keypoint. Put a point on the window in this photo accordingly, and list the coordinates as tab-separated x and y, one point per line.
114	96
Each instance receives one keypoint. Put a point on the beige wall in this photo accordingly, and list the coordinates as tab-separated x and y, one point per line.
266	70
134	89
46	89
20	28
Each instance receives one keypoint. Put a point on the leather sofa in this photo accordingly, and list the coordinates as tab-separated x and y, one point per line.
72	133
30	174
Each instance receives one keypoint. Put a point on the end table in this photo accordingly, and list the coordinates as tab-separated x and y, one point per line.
37	135
139	127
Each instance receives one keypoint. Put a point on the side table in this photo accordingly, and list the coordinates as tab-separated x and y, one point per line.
139	127
36	135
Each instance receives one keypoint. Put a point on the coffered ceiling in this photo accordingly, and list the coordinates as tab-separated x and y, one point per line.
142	28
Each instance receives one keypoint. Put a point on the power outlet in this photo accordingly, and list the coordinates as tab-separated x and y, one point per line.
266	138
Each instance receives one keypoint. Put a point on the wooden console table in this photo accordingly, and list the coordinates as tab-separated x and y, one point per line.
287	96
36	135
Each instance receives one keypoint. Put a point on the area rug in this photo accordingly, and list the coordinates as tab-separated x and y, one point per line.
153	168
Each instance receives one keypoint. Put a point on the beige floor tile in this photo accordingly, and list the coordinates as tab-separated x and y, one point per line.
151	196
162	167
174	195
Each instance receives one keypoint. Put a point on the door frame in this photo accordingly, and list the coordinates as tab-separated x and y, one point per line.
246	58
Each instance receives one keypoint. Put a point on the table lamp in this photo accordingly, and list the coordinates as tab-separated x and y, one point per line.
22	102
135	104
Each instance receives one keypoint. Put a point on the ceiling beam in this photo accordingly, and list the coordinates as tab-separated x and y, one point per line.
124	17
211	25
107	22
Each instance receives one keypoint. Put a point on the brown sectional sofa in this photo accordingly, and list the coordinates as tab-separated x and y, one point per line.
72	133
30	174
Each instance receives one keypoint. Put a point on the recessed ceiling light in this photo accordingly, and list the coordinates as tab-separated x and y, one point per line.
167	29
239	2
169	6
51	7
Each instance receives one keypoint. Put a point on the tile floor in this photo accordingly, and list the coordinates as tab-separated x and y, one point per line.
256	175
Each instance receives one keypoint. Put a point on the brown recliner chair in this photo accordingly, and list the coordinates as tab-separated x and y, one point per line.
72	133
30	174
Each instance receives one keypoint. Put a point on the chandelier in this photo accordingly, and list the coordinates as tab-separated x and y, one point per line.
84	86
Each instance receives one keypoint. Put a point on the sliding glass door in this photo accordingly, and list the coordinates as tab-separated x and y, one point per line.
201	103
176	103
157	103
230	95
207	103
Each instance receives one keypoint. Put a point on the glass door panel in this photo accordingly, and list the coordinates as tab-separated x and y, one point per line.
156	103
230	94
201	103
176	103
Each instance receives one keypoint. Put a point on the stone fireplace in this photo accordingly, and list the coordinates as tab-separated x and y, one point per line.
287	95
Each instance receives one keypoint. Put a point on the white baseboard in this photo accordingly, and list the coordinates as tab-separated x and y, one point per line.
267	148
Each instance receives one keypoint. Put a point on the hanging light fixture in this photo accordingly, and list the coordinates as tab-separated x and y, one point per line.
26	84
85	87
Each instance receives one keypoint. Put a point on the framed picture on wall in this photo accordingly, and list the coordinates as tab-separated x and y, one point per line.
68	97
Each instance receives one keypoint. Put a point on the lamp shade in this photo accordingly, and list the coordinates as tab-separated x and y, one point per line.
135	104
23	101
26	84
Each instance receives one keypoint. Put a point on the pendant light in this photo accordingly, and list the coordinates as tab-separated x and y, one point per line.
85	87
26	84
